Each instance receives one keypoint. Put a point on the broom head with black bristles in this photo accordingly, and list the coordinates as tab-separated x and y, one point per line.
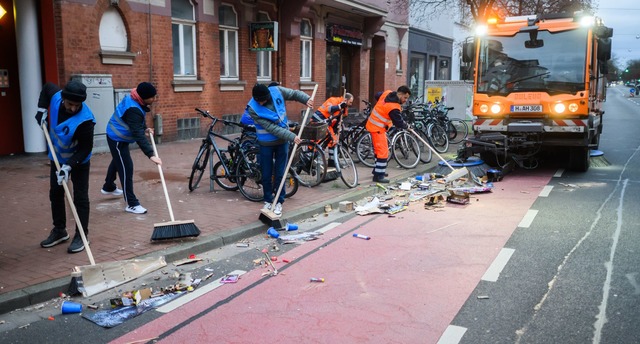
174	230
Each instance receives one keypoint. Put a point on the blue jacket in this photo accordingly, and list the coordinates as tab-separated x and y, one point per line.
278	117
117	129
62	133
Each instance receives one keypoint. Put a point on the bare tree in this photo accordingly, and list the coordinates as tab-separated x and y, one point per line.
481	9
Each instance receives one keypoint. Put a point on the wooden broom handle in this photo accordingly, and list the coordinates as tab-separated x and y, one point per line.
164	184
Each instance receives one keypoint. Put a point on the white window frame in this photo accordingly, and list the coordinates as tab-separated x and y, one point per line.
306	57
263	57
182	23
229	74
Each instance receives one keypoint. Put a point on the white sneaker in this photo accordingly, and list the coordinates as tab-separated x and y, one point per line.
278	209
116	192
266	206
138	209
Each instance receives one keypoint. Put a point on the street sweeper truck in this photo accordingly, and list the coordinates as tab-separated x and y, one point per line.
539	85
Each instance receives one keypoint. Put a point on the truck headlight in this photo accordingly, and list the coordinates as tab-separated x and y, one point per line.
484	108
573	107
495	109
559	108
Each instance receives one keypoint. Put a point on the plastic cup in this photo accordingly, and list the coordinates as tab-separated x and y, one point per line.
69	307
292	226
272	232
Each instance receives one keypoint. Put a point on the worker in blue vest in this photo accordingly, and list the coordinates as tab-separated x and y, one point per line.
268	111
70	124
127	125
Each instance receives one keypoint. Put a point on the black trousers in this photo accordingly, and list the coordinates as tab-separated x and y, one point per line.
80	181
122	164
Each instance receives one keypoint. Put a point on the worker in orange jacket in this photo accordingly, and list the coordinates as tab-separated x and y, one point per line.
333	106
386	113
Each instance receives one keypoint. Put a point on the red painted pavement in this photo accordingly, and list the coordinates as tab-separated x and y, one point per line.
405	285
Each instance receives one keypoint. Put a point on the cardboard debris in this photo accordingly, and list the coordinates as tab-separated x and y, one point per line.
186	261
92	279
458	198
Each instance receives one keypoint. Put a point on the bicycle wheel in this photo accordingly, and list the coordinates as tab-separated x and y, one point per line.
460	128
291	184
406	149
309	163
249	177
425	153
364	150
199	165
438	137
348	170
222	178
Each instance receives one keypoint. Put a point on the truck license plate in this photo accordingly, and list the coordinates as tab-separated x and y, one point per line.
526	108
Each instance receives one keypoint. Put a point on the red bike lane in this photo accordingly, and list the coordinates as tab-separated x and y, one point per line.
404	285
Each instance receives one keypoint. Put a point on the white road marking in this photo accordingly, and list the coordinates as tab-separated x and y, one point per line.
528	218
493	272
601	318
546	191
195	294
452	335
558	173
329	226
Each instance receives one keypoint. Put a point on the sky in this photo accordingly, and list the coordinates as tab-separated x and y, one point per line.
622	16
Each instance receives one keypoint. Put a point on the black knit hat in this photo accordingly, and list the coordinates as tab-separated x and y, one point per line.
75	91
260	92
146	90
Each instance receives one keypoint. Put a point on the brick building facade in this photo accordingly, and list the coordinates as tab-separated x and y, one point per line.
360	45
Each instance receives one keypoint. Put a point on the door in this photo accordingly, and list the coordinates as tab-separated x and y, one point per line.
11	139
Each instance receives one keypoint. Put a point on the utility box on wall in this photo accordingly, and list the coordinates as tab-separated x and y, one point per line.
458	94
100	99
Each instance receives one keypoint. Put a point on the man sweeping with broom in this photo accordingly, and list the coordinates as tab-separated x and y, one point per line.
268	111
386	113
71	125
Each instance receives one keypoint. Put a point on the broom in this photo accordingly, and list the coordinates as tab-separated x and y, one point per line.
172	229
455	173
267	216
68	194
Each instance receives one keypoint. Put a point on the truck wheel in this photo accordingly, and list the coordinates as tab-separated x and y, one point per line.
579	159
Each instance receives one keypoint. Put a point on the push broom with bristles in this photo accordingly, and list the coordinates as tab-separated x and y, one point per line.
267	216
172	229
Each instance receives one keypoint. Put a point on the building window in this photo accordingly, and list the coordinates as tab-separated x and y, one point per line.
306	38
399	63
183	27
228	42
264	57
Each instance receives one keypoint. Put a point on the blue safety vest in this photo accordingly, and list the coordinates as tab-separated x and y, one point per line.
117	129
62	133
246	118
278	117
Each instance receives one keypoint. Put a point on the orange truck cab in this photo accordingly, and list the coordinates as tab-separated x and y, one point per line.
539	83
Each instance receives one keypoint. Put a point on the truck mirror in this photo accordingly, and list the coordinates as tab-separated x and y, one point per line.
468	52
604	49
532	44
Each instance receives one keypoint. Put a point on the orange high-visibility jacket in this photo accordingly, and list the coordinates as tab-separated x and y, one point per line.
326	106
379	120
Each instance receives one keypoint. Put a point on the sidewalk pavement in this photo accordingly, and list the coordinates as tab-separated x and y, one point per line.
30	274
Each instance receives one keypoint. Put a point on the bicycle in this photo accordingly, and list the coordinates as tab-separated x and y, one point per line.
341	158
249	178
350	135
223	171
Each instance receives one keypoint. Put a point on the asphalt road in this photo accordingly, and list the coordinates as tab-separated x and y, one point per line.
572	277
550	256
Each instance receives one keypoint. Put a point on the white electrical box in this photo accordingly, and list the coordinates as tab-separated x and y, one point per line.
100	99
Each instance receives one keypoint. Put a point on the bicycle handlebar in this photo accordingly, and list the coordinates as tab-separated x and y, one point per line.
206	113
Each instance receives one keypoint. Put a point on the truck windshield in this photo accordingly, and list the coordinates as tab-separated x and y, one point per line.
555	66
